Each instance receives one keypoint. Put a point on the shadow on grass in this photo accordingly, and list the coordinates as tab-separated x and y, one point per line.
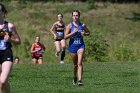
135	17
127	74
106	83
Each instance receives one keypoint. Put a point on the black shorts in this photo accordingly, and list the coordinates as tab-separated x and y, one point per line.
59	39
6	55
33	57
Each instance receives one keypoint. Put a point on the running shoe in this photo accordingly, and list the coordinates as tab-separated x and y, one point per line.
61	62
74	81
56	54
80	83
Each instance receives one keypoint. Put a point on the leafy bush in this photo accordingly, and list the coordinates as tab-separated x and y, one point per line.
97	47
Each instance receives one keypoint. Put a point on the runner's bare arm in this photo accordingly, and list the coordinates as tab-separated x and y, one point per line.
67	32
31	50
15	37
86	31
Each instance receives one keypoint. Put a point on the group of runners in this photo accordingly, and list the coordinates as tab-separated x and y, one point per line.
75	31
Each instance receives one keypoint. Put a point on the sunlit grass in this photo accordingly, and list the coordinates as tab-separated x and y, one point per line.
111	77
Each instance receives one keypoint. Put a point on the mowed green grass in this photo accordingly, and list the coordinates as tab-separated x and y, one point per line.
109	77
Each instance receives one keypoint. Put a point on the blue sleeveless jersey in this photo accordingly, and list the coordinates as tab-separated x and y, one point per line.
76	40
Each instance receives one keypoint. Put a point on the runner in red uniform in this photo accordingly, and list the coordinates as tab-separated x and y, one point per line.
37	50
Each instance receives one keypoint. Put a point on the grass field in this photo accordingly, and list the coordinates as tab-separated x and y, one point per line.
119	25
98	77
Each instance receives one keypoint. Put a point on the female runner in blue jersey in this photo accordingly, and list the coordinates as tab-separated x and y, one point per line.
8	35
58	32
75	31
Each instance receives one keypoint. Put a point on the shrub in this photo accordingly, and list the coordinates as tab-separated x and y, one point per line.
97	47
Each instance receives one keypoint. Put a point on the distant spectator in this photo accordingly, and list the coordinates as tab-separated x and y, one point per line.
16	60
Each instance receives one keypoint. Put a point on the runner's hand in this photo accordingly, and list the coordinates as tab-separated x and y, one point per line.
6	37
75	30
55	36
83	33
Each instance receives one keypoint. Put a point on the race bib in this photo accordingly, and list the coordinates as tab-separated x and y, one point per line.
77	41
38	52
2	45
60	33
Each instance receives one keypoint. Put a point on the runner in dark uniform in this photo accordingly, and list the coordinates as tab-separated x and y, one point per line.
57	30
8	35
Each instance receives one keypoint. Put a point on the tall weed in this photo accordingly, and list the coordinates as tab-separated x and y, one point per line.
125	53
